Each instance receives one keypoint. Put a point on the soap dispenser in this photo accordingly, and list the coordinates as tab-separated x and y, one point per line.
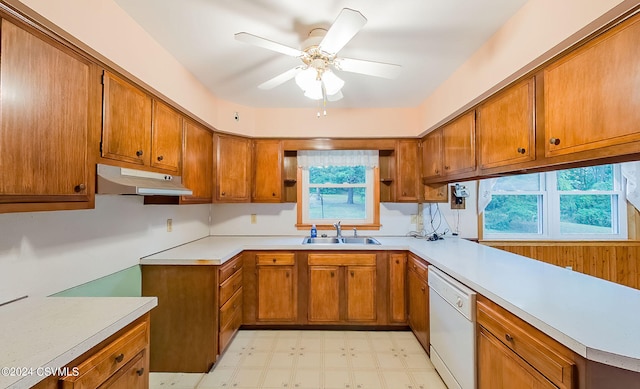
314	231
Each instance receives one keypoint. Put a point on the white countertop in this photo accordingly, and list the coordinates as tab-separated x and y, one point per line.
597	319
50	332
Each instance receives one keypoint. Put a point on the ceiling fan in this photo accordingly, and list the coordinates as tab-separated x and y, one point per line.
315	76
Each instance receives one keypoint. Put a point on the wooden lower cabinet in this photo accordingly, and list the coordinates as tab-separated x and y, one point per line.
277	288
511	353
418	294
119	362
342	288
398	287
230	299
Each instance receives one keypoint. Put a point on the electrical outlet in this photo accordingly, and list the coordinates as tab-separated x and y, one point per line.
169	225
414	219
457	202
254	218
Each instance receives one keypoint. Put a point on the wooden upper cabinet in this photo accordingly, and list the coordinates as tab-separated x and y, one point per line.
50	106
197	163
506	131
432	154
459	145
591	96
167	137
408	171
233	166
126	133
267	171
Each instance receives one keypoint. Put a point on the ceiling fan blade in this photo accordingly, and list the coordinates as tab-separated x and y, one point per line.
371	68
267	44
345	27
280	79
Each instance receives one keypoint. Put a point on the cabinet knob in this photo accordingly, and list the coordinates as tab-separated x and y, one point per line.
160	157
120	358
79	188
423	289
351	274
274	260
287	274
140	371
554	141
404	193
508	337
437	171
331	274
446	168
273	194
522	150
222	193
139	153
397	261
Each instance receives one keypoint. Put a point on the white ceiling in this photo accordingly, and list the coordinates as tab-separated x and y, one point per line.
430	39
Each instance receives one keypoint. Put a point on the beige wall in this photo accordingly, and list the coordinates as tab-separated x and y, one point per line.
535	33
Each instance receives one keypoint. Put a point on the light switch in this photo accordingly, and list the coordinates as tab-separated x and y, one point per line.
254	218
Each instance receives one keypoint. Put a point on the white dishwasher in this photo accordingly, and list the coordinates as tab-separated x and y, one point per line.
452	317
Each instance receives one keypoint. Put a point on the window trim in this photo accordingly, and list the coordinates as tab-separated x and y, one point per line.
373	225
551	199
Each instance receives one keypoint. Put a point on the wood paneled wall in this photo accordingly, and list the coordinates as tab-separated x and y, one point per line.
614	261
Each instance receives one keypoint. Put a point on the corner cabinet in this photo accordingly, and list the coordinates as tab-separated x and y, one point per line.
233	168
267	171
591	95
45	129
408	158
506	128
277	287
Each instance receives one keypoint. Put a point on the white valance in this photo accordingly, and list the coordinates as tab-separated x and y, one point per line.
631	171
366	158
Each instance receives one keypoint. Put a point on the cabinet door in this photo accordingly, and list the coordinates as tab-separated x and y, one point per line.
324	293
419	308
432	154
506	126
45	122
397	287
361	293
267	171
233	159
408	172
459	145
591	96
197	163
126	132
276	293
499	367
166	143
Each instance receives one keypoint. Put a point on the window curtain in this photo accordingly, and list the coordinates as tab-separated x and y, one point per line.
484	193
631	171
366	158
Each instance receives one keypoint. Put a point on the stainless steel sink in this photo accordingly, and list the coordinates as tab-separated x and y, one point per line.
362	240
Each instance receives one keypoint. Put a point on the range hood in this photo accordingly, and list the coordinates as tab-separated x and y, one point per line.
117	180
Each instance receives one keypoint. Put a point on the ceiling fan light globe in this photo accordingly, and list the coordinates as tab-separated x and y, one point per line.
332	83
314	93
307	79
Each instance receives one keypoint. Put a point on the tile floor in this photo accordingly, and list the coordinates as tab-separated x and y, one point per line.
314	360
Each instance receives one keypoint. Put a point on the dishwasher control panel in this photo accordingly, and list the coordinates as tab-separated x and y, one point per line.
459	296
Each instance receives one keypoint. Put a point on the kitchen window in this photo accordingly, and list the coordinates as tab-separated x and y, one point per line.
338	185
573	204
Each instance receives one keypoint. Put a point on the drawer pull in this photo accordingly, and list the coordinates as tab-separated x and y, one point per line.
397	261
139	153
160	158
331	274
79	188
120	358
140	371
423	289
508	337
351	274
522	150
287	274
274	260
554	141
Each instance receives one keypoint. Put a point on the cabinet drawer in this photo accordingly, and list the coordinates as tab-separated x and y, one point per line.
533	346
227	332
229	268
230	307
275	259
418	266
342	259
100	366
230	286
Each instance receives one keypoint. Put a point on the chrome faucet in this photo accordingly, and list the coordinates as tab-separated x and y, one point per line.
338	229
